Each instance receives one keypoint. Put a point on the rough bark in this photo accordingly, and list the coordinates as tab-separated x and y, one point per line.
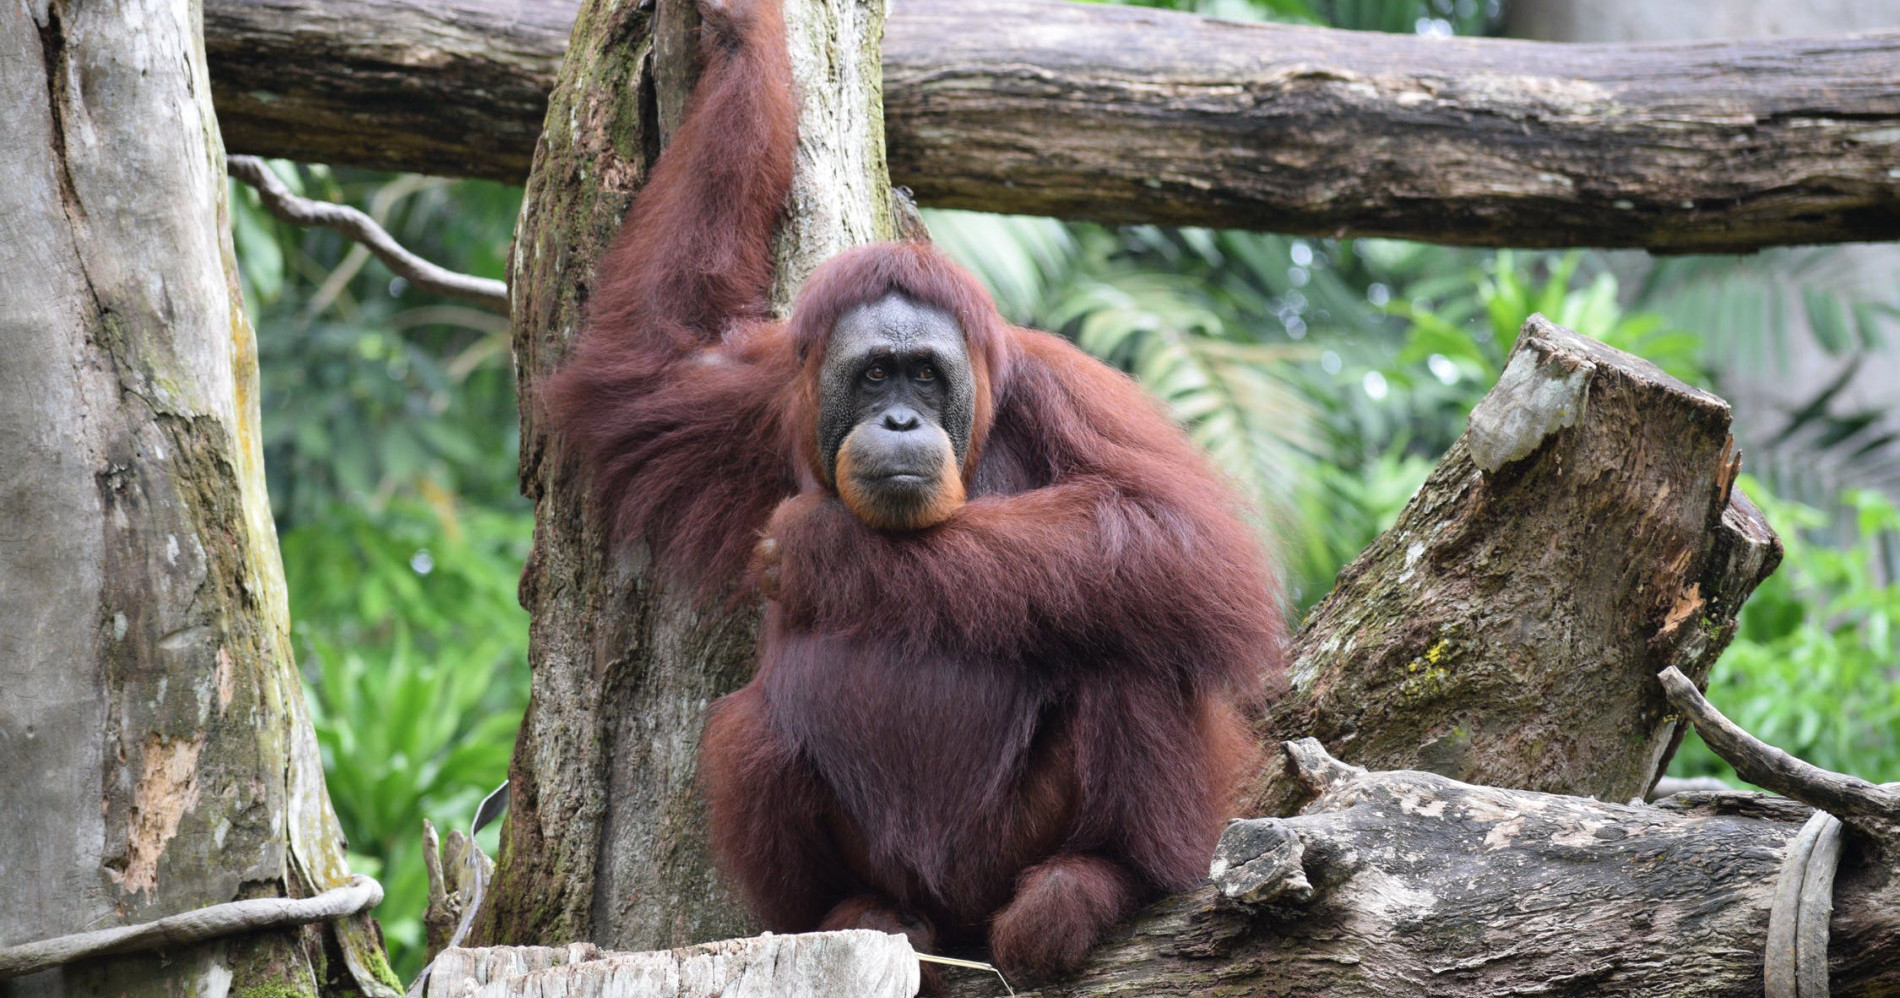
1138	115
854	964
1579	538
154	749
1124	114
452	87
605	841
1421	885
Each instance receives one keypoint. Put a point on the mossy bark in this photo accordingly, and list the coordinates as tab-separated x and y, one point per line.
605	839
157	756
1582	536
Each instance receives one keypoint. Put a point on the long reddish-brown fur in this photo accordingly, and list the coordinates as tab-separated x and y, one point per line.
1021	722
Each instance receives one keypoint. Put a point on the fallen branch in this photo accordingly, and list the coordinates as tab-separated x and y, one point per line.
1871	808
1128	114
281	203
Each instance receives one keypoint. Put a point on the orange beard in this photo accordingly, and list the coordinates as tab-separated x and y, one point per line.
945	498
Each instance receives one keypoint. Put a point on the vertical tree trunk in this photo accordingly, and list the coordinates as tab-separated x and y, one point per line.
154	751
605	840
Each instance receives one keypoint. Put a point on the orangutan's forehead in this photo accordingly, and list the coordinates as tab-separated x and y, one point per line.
895	324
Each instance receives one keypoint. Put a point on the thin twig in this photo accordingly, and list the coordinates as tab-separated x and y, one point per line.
951	961
280	202
213	922
1872	809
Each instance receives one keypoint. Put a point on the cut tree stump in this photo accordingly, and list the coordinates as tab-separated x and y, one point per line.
1583	535
857	963
1129	114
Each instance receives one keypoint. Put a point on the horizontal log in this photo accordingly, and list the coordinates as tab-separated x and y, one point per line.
1126	114
1408	883
1387	884
456	88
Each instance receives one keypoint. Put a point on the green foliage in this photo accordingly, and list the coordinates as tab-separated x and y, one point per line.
1505	294
1815	665
415	654
1766	305
1345	510
390	439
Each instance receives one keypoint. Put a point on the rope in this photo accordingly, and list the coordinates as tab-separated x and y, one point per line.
212	922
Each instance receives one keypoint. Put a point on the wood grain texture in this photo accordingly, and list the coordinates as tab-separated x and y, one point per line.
858	963
451	87
1126	114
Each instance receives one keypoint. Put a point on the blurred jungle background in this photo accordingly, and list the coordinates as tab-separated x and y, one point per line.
1326	376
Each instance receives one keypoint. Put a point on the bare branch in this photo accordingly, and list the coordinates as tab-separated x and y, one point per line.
1871	808
280	202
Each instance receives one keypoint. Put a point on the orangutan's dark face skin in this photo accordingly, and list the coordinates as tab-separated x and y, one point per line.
896	401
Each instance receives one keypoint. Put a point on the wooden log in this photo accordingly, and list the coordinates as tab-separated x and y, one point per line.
857	963
1422	885
1127	114
451	87
1124	114
1579	538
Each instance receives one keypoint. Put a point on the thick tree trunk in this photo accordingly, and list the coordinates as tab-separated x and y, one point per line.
154	751
1138	115
1579	538
605	841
